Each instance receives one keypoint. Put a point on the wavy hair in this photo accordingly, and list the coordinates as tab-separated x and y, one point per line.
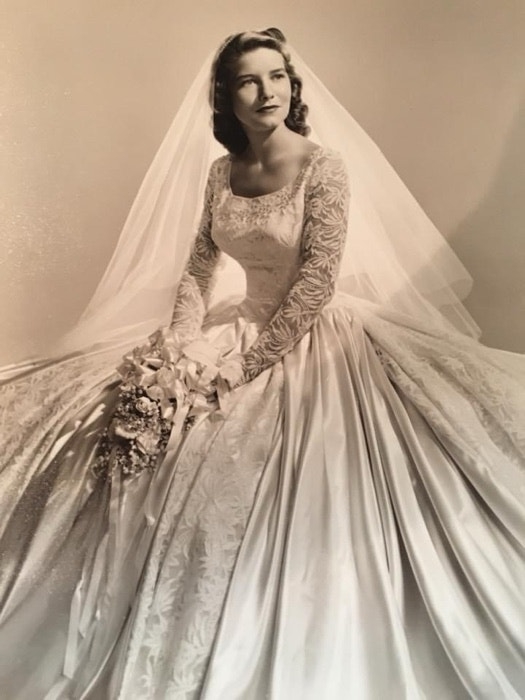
227	129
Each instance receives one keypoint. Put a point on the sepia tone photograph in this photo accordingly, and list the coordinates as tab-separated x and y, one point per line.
262	362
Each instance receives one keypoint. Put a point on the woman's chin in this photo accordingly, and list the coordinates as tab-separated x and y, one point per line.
268	124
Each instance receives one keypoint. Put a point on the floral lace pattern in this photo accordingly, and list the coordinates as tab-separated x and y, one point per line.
196	283
323	238
196	544
49	397
196	508
431	370
241	211
289	241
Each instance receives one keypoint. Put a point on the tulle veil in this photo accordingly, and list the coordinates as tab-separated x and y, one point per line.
395	257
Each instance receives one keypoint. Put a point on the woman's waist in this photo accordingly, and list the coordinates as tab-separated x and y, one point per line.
260	309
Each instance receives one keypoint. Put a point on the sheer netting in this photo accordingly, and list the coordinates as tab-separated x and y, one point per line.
393	256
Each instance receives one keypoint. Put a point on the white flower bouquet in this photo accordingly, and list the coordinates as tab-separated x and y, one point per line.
165	385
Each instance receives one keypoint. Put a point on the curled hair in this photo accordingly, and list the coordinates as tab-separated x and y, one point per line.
227	129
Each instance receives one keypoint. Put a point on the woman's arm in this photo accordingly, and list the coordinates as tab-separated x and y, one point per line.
197	280
323	238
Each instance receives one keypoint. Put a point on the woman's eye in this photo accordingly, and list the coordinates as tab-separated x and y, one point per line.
278	76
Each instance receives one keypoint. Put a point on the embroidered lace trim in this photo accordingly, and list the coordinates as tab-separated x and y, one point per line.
323	238
197	281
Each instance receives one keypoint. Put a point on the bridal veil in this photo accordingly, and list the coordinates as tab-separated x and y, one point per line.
394	256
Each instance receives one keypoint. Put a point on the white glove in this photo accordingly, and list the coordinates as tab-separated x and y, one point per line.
232	371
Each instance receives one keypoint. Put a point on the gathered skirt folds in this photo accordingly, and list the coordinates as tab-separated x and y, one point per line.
352	528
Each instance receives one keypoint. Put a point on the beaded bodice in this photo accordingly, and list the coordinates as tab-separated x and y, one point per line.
262	233
289	243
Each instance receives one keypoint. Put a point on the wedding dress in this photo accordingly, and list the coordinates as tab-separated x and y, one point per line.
350	526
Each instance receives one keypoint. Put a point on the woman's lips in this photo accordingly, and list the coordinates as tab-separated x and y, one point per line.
268	108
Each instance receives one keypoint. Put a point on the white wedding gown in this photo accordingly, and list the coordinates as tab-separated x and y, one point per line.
353	528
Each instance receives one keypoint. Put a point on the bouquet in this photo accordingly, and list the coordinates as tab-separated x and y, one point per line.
165	385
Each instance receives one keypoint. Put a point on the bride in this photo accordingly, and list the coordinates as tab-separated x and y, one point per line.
311	490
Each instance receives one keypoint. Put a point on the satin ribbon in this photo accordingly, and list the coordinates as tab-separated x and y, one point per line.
184	390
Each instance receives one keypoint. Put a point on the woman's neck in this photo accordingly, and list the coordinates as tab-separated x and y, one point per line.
267	147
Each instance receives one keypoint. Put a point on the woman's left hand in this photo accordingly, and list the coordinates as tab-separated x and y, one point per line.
232	371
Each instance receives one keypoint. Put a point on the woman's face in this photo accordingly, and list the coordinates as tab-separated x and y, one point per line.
261	90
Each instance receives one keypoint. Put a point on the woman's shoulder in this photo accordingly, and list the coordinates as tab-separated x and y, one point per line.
220	163
326	164
320	164
324	157
217	172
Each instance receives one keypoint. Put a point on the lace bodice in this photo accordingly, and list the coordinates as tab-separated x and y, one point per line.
288	242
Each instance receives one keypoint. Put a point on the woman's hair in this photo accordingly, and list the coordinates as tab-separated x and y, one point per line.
227	129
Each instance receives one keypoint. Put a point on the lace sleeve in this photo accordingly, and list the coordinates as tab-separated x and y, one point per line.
324	232
197	280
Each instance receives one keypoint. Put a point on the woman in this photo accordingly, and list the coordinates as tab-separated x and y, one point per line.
301	495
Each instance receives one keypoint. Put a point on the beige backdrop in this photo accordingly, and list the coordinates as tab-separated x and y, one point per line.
91	86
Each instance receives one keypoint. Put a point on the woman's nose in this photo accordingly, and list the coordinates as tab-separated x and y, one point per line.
265	91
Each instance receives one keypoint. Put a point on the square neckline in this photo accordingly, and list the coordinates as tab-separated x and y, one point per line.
286	186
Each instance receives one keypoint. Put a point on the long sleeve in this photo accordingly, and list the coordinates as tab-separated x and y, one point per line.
323	238
197	279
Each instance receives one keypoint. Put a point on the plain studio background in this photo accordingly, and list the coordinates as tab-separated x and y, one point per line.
91	87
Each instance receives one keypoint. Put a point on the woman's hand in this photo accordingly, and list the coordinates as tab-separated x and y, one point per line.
232	371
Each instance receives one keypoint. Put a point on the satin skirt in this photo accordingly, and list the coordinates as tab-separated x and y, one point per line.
353	527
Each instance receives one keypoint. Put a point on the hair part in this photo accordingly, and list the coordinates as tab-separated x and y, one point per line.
227	129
